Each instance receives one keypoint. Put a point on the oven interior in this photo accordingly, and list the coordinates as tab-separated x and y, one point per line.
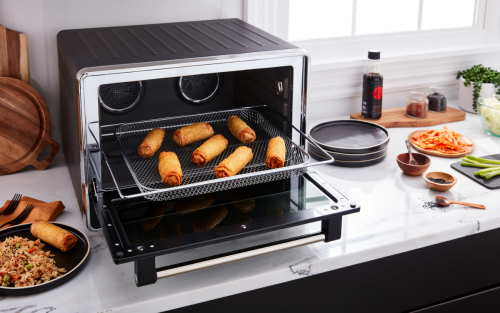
178	96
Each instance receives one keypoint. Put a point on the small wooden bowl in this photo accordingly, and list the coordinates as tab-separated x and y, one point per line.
423	162
443	175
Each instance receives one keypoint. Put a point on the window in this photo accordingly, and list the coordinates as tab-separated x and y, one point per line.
314	19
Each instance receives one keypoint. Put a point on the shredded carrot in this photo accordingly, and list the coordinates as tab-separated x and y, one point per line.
443	140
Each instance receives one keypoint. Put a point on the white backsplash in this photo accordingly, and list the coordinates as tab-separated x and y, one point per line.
41	20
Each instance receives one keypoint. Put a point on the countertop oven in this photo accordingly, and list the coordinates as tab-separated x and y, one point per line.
118	82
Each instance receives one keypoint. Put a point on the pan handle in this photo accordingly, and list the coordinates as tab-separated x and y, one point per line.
327	156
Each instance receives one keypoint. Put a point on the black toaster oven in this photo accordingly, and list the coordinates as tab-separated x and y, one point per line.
118	83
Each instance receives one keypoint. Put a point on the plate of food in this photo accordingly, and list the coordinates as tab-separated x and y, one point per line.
443	143
39	256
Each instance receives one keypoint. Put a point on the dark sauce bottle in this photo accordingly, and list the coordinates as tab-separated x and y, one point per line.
372	88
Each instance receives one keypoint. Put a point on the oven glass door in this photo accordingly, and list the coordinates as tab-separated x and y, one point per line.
142	227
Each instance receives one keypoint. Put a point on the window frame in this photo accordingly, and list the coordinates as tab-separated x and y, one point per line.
272	16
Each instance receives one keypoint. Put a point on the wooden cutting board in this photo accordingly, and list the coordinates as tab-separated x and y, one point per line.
395	117
14	55
24	127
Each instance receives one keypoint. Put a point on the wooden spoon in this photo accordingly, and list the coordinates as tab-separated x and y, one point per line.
412	160
445	202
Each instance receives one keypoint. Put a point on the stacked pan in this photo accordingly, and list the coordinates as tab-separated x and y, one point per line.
352	143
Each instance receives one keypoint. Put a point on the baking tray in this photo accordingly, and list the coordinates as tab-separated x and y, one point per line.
493	183
350	136
201	179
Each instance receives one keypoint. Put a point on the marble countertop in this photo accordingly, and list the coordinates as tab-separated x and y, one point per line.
392	220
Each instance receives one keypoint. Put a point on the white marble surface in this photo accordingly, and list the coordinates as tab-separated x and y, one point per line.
392	220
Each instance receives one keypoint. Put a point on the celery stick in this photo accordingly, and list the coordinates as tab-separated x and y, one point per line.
491	169
470	157
475	164
491	174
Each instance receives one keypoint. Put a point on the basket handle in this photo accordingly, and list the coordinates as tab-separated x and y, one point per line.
327	156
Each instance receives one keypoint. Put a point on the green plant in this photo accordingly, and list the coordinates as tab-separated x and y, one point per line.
479	75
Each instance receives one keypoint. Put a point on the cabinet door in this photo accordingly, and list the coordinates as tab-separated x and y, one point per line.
484	302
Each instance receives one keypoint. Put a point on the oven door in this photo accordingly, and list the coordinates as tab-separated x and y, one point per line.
140	230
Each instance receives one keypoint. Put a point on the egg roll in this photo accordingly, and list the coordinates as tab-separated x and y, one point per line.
151	143
209	219
53	235
153	216
191	133
211	148
240	129
193	204
170	168
276	152
234	163
241	199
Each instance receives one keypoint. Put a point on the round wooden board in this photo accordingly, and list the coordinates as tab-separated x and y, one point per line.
437	153
24	127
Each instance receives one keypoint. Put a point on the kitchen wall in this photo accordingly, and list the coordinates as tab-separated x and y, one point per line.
41	20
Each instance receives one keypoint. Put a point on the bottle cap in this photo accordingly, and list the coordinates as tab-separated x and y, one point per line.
374	54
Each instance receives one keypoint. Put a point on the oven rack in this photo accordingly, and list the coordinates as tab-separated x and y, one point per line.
201	179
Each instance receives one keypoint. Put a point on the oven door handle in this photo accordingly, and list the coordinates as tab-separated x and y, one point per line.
145	273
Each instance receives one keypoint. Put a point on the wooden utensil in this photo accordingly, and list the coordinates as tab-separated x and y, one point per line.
438	153
412	160
24	127
445	202
395	117
14	55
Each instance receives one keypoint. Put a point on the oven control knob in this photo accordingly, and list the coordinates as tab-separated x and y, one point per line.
352	204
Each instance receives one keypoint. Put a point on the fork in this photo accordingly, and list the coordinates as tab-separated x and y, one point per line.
21	217
12	205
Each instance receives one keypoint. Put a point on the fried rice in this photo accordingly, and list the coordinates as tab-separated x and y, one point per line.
25	264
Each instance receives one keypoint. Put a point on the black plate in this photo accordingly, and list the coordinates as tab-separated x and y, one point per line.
492	183
350	157
350	136
351	163
72	260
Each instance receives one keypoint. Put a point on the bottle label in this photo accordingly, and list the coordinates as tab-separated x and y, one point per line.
377	93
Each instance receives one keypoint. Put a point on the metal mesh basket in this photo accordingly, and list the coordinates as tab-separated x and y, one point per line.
201	179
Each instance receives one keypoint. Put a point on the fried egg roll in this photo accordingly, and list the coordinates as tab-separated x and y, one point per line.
209	150
53	235
191	133
193	204
234	163
170	168
151	143
153	216
210	219
240	129
276	152
241	199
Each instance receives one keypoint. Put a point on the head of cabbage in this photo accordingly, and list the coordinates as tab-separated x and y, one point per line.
490	114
